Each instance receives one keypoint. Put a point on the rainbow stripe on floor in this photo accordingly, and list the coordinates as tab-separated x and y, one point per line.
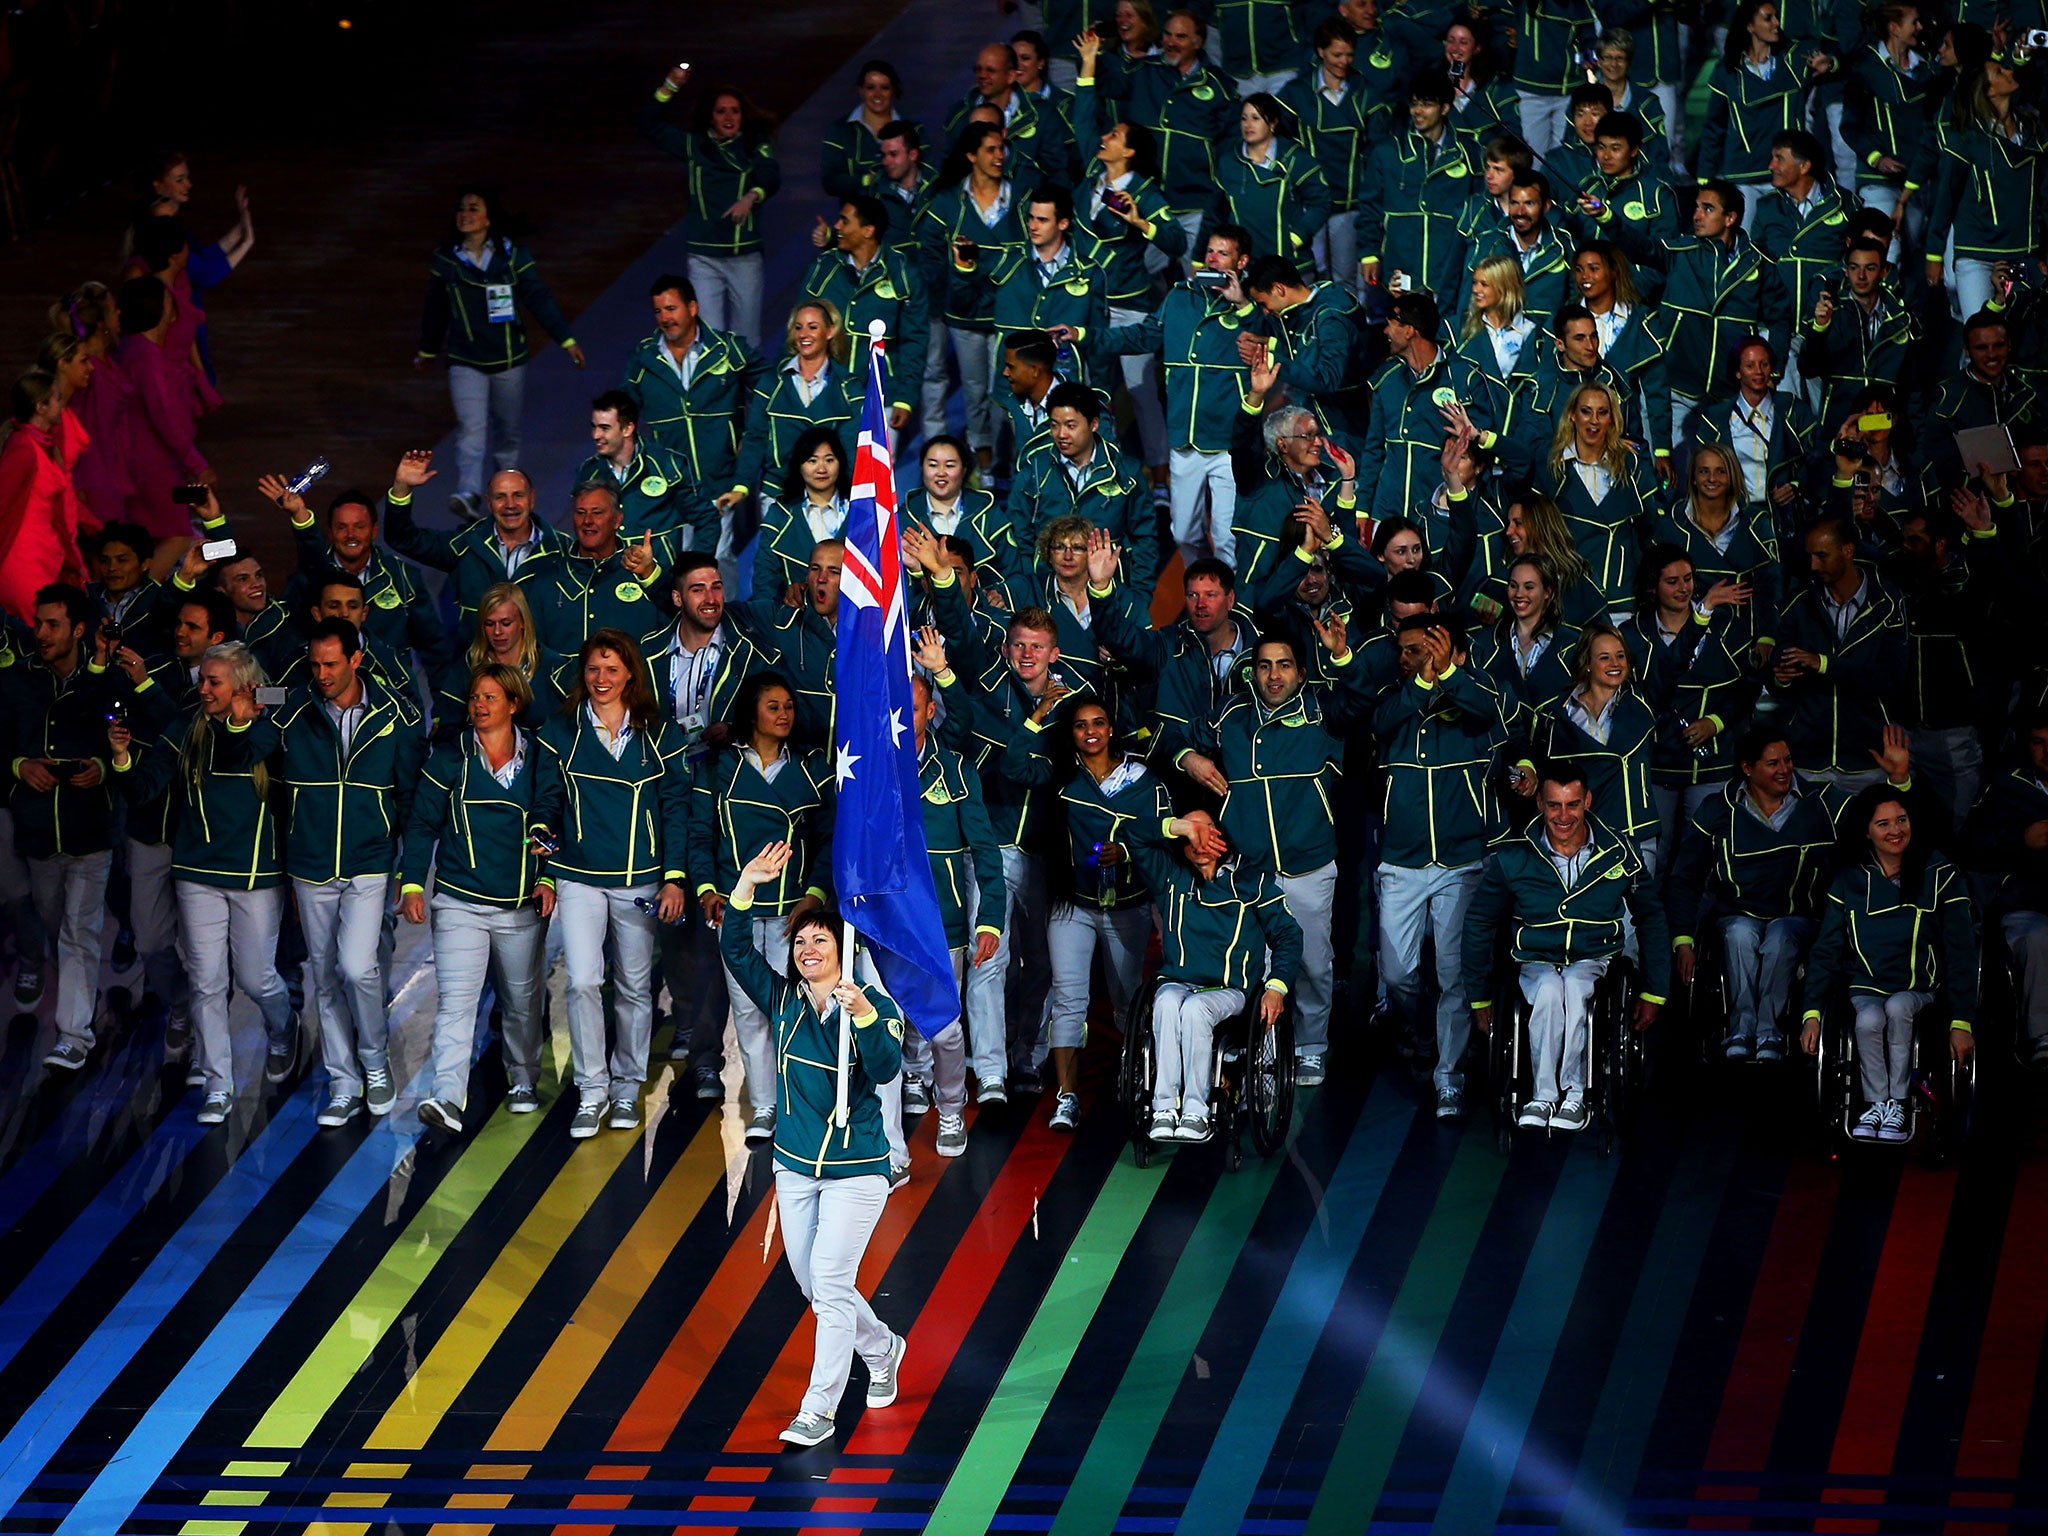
1390	1327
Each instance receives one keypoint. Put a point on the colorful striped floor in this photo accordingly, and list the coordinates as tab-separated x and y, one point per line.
267	1327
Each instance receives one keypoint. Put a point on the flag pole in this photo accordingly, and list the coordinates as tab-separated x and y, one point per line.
877	330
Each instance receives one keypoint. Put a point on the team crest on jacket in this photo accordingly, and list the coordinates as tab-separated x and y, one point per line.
629	592
653	485
386	599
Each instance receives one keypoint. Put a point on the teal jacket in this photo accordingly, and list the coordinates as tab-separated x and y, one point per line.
1547	284
1323	348
807	1065
1111	492
549	681
1230	931
1189	114
700	424
1617	770
720	172
961	294
736	810
1835	718
1988	193
1282	203
1857	351
1037	139
1077	296
1807	246
619	821
1745	112
889	289
657	492
977	518
1187	688
401	616
850	159
1715	299
1547	41
473	312
63	719
1338	134
1438	747
1401	452
782	549
473	556
575	596
1751	555
1886	111
1258	37
780	415
1550	925
1876	939
1099	814
1608	533
1527	692
1195	333
1733	863
966	859
225	833
1119	248
1283	765
347	810
1411	206
802	645
471	829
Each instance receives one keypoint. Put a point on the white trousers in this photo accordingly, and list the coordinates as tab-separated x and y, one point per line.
1203	496
755	1031
943	1059
1312	898
1431	902
979	359
1184	1021
1884	1043
1072	937
344	926
1336	251
826	1224
469	941
487	412
153	918
223	933
1002	1037
606	938
71	898
1141	383
1560	1003
1543	120
728	292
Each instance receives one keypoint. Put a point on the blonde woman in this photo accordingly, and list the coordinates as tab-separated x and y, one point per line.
1608	497
815	386
1495	328
1532	525
505	635
224	860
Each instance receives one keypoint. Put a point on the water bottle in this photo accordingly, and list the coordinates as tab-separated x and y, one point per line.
651	907
308	477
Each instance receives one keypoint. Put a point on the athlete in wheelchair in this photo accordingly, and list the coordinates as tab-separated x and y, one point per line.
1753	864
1231	952
1896	933
1561	890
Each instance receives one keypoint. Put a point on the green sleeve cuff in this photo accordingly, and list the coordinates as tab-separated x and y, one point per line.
994	933
944	578
706	886
303	525
1823	665
1253	410
1344	660
409	889
1811	1013
1034	726
672	877
125	767
1108	591
397	500
1683	941
736	904
1719	724
146	683
238	726
1650	997
1275	984
812	890
1303	554
1448	673
178	580
1962	1024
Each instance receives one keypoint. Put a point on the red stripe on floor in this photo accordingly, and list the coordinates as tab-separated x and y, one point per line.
1778	1302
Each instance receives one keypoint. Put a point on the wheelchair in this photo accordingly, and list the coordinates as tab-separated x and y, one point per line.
1941	1102
1706	1003
1617	1054
1251	1082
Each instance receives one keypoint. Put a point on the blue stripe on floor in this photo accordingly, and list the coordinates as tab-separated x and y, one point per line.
1500	1419
48	1422
133	1469
88	1234
1259	1406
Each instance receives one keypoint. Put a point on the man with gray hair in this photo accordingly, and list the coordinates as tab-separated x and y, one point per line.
1281	462
602	582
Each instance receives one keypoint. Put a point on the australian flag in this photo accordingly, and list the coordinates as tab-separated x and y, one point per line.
879	860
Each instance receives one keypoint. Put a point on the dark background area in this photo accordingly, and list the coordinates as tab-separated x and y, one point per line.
352	141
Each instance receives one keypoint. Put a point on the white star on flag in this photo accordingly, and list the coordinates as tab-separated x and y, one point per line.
847	758
896	727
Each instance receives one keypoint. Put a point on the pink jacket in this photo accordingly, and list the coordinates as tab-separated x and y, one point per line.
162	447
102	409
39	514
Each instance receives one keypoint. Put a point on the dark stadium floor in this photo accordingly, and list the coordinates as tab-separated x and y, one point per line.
1390	1325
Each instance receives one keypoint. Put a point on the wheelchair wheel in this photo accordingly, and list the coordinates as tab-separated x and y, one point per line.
1622	1052
1136	1067
1835	1070
1506	1047
1268	1083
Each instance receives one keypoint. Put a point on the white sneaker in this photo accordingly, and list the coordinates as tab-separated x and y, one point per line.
1892	1126
1869	1125
1066	1112
884	1384
952	1135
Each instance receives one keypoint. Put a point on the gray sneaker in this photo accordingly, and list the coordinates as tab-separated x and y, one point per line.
341	1109
216	1108
378	1094
624	1115
1535	1115
282	1057
442	1116
883	1384
1571	1115
1164	1126
899	1175
760	1126
521	1100
1308	1069
1893	1125
992	1091
1194	1126
68	1055
952	1135
1065	1111
808	1429
1450	1103
588	1118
